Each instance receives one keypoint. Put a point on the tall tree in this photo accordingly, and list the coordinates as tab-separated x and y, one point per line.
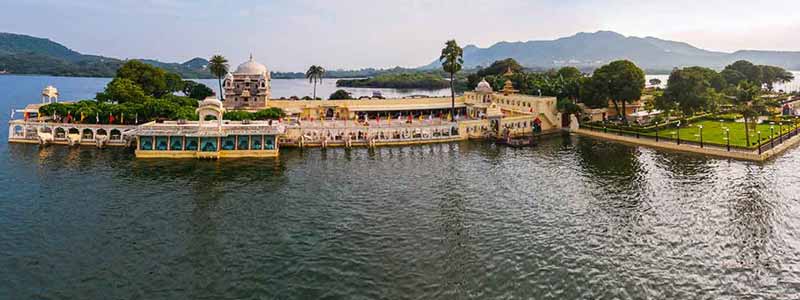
750	71
313	75
218	65
592	93
623	81
748	104
691	89
568	73
732	77
770	75
452	59
122	90
152	80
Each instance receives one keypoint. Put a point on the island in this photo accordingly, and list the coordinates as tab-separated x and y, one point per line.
425	81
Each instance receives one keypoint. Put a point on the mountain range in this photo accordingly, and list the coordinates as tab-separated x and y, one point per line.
591	50
23	54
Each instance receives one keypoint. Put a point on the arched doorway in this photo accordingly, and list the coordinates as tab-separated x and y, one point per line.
61	133
116	134
87	134
19	131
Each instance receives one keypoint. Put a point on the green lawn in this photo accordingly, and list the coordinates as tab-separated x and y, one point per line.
714	133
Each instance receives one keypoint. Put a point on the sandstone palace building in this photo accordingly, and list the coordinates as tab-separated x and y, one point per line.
478	114
248	87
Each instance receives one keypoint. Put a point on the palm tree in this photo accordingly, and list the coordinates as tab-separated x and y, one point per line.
315	74
452	59
218	65
748	104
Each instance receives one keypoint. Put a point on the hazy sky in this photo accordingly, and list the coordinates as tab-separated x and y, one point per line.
289	35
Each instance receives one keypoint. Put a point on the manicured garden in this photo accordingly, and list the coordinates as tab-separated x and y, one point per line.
714	131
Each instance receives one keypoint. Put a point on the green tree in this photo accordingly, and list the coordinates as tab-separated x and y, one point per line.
770	75
568	73
567	106
340	95
218	65
313	75
733	77
691	89
122	90
750	71
174	82
593	93
452	60
271	113
623	82
152	80
196	90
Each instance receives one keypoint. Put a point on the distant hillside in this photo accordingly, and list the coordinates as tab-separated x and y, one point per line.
591	50
23	54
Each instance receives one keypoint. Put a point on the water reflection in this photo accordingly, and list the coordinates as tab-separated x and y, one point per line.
752	216
572	218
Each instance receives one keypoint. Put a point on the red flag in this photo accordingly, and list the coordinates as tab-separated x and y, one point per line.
110	119
69	117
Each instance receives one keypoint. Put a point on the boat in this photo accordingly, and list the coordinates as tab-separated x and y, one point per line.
520	142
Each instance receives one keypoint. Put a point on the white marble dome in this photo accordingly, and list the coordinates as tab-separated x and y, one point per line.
50	91
211	101
483	87
251	67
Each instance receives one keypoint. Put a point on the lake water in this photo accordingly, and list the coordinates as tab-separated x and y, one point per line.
574	218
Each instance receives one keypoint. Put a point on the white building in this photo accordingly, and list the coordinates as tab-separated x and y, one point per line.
248	87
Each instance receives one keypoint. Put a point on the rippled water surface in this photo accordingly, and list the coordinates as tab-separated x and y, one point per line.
573	218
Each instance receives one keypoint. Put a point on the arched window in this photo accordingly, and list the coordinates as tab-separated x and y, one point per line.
88	134
61	133
19	131
115	134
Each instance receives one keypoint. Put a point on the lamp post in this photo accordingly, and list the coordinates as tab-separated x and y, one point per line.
656	132
796	119
759	142
728	138
679	132
771	139
700	128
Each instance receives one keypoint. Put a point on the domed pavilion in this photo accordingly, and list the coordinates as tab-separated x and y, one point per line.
248	87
